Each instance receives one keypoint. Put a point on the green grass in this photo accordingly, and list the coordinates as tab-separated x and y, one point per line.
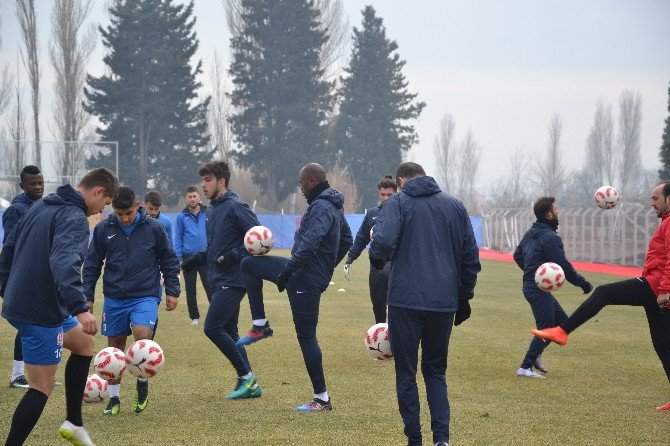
601	389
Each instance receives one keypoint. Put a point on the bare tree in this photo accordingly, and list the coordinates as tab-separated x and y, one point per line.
470	157
219	110
630	119
27	16
69	50
5	84
14	153
512	190
446	155
600	155
550	171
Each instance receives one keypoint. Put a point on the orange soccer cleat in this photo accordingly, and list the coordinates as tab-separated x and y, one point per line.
666	406
554	334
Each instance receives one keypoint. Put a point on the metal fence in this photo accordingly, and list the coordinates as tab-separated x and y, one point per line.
619	236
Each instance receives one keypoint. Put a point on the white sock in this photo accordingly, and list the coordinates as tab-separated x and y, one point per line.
18	370
114	390
247	376
322	396
260	322
142	380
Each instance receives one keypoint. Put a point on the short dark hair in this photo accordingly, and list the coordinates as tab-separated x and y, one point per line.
191	189
153	197
124	199
101	177
29	170
542	206
666	187
220	169
409	170
387	183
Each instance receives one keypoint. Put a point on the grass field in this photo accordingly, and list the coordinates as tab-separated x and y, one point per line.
601	388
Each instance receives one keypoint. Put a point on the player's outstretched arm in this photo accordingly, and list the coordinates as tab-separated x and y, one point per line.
179	237
95	258
362	238
320	221
554	252
345	240
470	265
6	259
168	263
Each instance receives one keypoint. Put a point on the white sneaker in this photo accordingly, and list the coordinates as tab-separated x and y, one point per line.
195	322
75	434
528	373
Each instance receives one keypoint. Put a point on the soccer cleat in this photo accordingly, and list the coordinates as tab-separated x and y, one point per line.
244	389
255	334
141	396
539	364
666	406
195	322
316	405
113	407
75	434
20	382
254	392
528	373
553	334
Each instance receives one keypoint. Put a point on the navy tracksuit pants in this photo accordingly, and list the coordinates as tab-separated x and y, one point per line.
304	300
548	313
379	288
408	328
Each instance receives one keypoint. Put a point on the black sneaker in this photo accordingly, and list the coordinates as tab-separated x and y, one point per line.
20	382
141	397
256	334
539	365
441	443
113	407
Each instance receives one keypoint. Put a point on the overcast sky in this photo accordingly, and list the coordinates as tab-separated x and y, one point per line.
500	68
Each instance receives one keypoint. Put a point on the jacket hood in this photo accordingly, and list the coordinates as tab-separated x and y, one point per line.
421	186
187	211
113	220
66	196
23	199
227	196
539	228
335	197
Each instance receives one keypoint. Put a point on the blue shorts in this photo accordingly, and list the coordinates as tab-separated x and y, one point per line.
120	315
43	345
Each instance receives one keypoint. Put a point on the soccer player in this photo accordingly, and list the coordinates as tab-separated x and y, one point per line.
228	220
152	203
32	185
135	250
40	281
651	291
190	239
320	243
379	278
434	267
541	244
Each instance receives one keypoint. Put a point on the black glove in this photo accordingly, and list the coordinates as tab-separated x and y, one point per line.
586	287
377	263
463	313
225	261
282	279
189	264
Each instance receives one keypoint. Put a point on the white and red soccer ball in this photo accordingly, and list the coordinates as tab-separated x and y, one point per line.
259	240
549	277
110	363
378	342
96	390
144	358
606	197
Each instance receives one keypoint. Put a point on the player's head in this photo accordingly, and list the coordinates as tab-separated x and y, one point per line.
660	198
192	196
32	182
310	175
386	188
98	187
125	206
215	178
545	208
407	171
153	202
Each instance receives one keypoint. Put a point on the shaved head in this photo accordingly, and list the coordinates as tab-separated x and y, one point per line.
313	171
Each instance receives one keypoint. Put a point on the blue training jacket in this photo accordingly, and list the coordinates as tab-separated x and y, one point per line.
13	213
363	235
40	265
190	232
133	263
321	241
167	224
435	259
539	245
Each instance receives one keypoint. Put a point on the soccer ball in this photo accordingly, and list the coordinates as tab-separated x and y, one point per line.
377	342
96	389
549	276
259	240
144	358
606	197
110	363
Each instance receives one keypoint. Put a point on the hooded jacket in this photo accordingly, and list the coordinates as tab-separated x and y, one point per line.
40	265
190	232
13	213
434	254
133	263
657	264
539	245
363	235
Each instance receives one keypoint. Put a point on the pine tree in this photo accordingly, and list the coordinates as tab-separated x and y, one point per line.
281	102
664	152
148	101
371	132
